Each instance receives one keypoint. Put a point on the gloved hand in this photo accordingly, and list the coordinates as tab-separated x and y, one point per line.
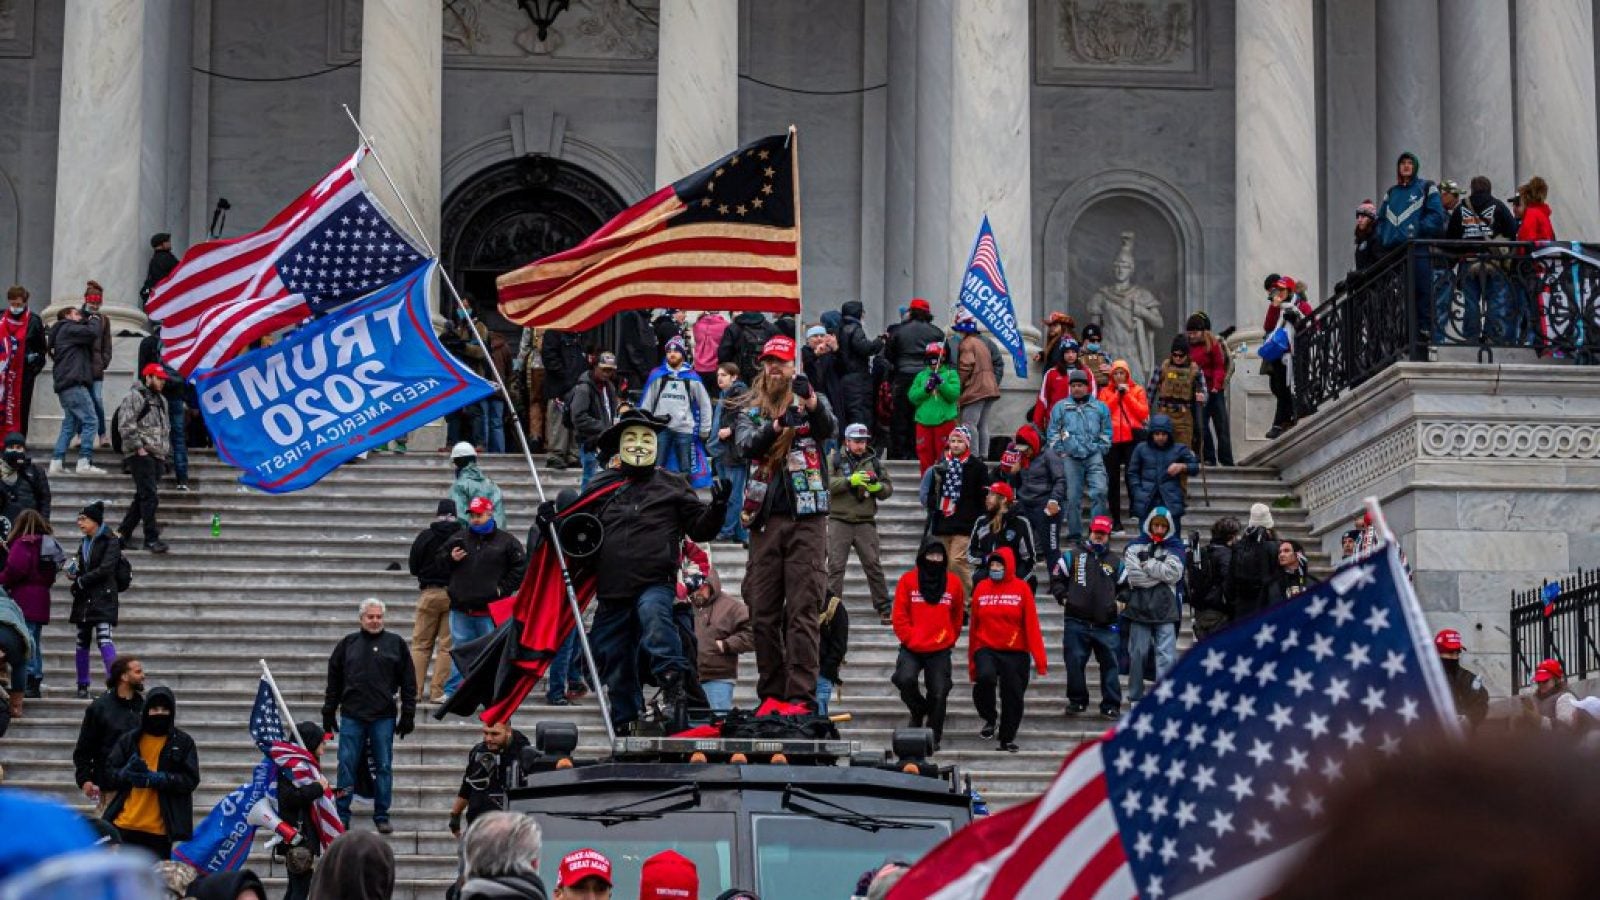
874	486
455	824
721	490
545	514
858	479
408	724
135	772
330	724
158	780
933	382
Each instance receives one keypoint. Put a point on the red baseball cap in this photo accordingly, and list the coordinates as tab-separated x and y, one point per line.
480	505
779	347
1447	641
920	304
1285	282
1101	523
156	370
1547	670
669	875
1004	490
581	864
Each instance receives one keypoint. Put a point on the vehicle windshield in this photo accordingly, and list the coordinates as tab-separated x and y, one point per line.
802	858
706	838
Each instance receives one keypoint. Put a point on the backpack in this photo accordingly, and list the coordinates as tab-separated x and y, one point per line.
124	573
116	428
1253	561
51	556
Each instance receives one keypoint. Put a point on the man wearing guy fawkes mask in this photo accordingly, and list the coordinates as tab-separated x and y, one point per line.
645	514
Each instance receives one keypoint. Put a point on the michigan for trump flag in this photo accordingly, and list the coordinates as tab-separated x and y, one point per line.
1215	783
726	237
985	294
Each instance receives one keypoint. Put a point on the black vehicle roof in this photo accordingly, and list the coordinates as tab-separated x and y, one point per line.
602	778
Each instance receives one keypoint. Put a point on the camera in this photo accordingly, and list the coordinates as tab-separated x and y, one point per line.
802	386
793	417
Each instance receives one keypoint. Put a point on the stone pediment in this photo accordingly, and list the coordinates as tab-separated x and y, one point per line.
591	36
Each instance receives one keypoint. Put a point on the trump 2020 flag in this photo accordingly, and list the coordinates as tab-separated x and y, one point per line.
1216	782
369	373
222	840
984	293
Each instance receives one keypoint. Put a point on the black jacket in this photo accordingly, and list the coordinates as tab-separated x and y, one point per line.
94	593
1211	578
162	262
1252	566
294	807
1016	532
593	409
364	672
823	371
742	341
31	490
108	718
72	348
1087	588
491	569
908	346
835	640
489	775
855	350
969	506
564	360
1042	480
36	347
1481	217
636	347
1285	586
178	761
645	522
427	565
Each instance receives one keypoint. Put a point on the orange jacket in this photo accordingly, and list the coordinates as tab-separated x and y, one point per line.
1128	410
1004	618
925	627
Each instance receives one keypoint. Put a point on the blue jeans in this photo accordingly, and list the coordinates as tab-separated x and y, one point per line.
464	628
176	407
591	465
568	663
732	527
719	694
1078	640
620	630
1088	473
677	451
1140	636
1218	440
492	424
77	417
36	662
354	738
824	694
97	390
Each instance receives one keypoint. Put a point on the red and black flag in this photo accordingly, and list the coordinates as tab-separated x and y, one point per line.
725	238
499	670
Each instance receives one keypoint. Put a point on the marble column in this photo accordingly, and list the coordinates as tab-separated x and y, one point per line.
1408	86
931	276
1275	145
1349	120
697	86
98	174
874	156
402	45
900	160
1556	111
989	151
1475	90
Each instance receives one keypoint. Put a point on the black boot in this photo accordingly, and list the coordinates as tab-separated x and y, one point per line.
675	701
34	689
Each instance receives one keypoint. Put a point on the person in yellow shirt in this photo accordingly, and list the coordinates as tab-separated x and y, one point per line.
154	772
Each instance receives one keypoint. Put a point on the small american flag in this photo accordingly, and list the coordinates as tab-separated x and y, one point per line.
986	258
331	245
1213	784
266	727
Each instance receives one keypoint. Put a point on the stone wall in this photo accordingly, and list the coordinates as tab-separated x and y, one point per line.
30	88
1489	474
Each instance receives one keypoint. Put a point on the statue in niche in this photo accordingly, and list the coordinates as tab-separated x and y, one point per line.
1129	315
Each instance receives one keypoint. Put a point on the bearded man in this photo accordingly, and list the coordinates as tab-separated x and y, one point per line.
645	513
779	429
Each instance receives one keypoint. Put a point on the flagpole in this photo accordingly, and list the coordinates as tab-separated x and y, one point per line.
283	708
522	440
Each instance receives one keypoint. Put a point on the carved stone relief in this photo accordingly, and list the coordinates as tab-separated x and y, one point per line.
1159	43
591	36
1510	440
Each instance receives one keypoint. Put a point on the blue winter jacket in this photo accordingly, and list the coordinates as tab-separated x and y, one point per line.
1079	429
1411	211
1150	485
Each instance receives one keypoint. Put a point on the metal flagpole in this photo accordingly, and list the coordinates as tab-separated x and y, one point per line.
283	708
527	454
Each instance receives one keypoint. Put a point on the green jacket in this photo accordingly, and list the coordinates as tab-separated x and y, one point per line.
471	482
856	504
938	406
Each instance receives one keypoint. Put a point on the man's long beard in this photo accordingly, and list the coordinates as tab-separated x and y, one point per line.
774	392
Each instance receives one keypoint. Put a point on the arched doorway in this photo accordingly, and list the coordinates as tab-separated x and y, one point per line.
513	213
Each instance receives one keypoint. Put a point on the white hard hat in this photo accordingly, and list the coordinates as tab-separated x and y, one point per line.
462	449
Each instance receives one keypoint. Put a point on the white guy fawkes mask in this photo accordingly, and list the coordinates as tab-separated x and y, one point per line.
637	447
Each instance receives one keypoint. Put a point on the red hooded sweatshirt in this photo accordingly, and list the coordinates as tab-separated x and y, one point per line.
923	626
1004	617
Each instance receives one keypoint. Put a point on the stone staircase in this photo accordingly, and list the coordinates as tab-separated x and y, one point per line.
283	579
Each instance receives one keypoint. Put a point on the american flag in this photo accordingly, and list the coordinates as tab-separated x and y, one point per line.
986	259
328	247
266	727
726	237
1213	784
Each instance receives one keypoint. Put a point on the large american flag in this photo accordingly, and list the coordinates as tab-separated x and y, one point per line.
266	727
1214	783
726	237
331	245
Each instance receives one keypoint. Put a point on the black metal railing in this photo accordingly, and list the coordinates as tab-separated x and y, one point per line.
1563	627
1484	295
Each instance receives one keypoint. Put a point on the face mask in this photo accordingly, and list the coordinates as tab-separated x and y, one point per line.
15	458
18	310
1093	347
996	576
485	528
1097	546
159	726
1450	665
637	448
